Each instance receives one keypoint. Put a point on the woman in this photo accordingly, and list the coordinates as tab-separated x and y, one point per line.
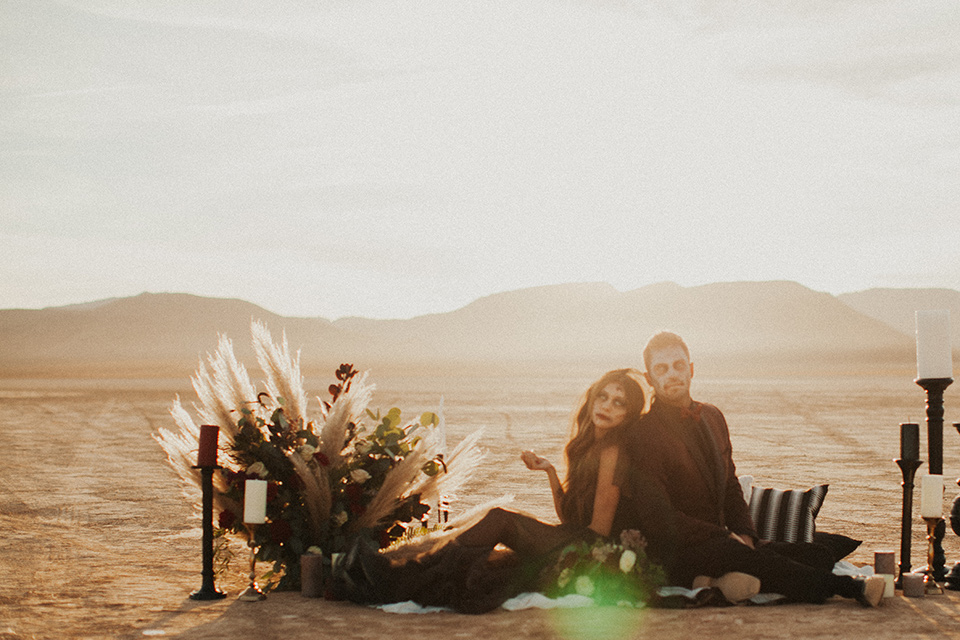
464	575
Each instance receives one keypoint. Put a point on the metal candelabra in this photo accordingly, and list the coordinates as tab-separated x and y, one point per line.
252	593
930	581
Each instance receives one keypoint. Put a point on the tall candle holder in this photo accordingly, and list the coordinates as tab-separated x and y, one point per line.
930	580
934	388
908	467
252	593
207	590
952	579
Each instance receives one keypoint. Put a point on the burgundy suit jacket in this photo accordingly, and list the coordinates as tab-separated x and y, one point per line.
685	481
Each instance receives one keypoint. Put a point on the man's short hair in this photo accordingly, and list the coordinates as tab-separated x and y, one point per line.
663	340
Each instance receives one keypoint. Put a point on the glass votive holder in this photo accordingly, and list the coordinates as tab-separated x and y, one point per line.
912	584
884	562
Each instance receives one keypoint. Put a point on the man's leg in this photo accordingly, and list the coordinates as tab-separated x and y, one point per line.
778	574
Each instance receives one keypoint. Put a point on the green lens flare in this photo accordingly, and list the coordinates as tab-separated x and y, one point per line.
597	623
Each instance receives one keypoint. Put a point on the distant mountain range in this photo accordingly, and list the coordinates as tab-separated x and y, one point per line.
737	327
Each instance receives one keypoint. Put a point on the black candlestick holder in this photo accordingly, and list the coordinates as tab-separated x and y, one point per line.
207	590
952	579
935	388
908	468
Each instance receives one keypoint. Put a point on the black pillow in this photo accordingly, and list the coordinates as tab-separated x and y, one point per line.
839	545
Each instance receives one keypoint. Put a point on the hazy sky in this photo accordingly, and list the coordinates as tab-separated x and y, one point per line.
390	158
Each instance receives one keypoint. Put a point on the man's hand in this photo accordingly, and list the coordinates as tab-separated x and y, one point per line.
742	539
535	462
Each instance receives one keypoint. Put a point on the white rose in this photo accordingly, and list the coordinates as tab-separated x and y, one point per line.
306	451
360	476
628	559
584	585
364	448
258	468
341	518
564	578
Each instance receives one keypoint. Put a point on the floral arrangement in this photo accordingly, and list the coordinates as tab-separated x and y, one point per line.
330	478
607	572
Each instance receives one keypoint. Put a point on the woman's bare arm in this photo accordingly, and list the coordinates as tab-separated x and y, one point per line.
607	498
537	463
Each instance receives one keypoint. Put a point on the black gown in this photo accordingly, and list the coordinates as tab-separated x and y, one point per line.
471	574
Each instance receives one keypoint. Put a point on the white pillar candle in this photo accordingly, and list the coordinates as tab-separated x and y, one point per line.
888	591
931	496
255	502
934	355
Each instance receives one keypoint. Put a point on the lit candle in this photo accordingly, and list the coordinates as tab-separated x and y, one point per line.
934	356
931	496
909	441
207	454
255	502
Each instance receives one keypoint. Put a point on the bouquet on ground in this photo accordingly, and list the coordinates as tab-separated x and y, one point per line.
609	573
330	477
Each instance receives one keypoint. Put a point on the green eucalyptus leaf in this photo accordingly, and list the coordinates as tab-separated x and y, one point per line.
429	419
393	416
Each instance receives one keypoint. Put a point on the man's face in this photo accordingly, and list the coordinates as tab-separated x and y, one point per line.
669	375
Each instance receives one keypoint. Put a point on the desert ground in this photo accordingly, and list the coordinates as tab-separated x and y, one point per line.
99	543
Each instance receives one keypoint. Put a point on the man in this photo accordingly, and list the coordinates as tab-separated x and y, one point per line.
688	500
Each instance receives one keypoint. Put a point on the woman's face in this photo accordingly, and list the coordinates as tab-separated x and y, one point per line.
609	407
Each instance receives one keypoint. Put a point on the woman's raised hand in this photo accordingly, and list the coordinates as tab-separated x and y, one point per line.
535	462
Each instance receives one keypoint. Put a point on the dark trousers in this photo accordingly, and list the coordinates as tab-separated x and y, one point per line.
801	572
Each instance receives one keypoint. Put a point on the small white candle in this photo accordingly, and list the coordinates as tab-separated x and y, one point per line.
888	591
934	355
255	502
931	496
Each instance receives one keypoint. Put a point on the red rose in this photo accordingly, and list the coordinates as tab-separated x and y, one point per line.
272	491
226	519
322	459
280	531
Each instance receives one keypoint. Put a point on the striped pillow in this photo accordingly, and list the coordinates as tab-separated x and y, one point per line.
786	515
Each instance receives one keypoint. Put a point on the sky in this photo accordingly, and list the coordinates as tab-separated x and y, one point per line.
390	159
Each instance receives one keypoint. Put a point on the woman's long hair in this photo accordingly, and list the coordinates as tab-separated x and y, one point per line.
582	449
